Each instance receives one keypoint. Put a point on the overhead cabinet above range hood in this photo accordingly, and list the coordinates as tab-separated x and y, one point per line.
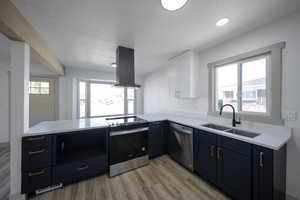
125	68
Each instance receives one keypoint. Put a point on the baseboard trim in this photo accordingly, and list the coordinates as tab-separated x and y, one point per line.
18	197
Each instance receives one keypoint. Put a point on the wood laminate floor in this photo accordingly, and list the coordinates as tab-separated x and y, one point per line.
162	179
4	171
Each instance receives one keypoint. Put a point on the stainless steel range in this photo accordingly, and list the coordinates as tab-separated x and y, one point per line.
128	144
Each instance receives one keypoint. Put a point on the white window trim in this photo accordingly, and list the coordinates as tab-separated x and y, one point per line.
88	104
274	82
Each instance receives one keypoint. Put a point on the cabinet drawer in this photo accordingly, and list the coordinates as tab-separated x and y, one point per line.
36	157
77	171
36	179
36	141
235	145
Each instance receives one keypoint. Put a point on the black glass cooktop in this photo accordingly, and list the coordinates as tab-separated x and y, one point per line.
122	120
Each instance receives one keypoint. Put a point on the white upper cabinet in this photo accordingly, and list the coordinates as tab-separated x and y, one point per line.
186	80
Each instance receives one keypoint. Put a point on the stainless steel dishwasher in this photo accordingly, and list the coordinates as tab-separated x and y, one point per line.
180	145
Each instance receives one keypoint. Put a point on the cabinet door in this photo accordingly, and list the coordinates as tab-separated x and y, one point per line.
205	162
156	139
186	66
262	173
234	173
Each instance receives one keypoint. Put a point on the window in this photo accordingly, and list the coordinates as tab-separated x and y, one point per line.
251	82
98	99
106	100
39	87
130	100
226	88
254	82
243	85
82	99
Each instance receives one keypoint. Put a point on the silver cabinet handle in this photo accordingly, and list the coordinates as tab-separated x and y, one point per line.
36	173
212	151
36	138
82	168
36	152
219	153
261	159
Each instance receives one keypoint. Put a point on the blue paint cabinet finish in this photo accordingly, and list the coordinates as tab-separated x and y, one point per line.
241	170
205	157
224	162
64	158
157	139
269	173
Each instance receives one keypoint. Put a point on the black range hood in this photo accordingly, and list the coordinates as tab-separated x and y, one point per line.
125	68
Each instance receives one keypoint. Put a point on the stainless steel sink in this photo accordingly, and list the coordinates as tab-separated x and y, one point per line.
232	131
242	133
217	127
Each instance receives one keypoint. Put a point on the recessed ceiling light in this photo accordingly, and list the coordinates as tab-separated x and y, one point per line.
114	65
173	5
222	22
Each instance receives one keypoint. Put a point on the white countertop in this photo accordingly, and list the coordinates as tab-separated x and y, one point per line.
271	136
61	126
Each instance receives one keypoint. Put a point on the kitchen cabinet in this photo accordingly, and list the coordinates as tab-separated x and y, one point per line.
65	158
241	170
186	80
234	168
80	155
36	163
224	162
205	160
269	173
156	138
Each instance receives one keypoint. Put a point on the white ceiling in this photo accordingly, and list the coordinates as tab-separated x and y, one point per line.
86	33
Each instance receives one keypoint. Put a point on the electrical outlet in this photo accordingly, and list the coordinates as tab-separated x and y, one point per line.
290	115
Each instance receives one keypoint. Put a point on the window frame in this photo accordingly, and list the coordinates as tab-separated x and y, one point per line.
273	84
88	95
40	88
240	85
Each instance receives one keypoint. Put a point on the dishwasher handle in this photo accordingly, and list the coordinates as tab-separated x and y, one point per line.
181	129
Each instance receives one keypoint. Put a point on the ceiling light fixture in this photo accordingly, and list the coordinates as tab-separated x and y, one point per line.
173	5
114	65
222	22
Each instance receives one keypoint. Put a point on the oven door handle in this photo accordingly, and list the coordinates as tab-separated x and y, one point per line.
114	133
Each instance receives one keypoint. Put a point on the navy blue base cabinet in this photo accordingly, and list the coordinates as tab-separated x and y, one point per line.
241	170
205	158
63	158
157	144
36	163
269	173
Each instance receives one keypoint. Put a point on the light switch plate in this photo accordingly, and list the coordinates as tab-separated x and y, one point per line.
290	115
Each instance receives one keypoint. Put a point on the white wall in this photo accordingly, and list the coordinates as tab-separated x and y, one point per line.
40	70
68	89
287	29
4	104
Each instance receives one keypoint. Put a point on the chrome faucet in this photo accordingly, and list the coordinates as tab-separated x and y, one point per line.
234	121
